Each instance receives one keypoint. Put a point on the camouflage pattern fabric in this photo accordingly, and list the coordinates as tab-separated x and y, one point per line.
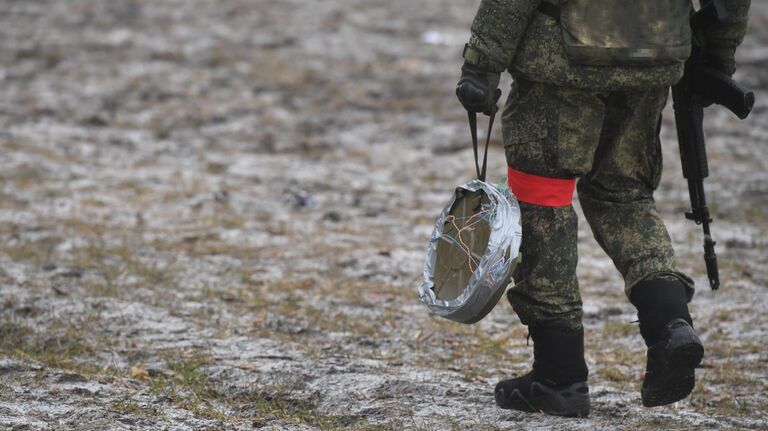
541	57
513	35
610	140
599	33
498	28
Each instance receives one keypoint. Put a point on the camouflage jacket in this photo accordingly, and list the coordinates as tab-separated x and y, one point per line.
514	35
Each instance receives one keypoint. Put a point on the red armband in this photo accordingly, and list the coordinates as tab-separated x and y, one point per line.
537	190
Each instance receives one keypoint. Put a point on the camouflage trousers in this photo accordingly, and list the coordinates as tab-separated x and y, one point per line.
610	141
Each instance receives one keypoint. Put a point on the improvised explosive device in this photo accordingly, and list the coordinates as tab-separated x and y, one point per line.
473	248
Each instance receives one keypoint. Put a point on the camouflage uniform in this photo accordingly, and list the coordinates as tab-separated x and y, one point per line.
597	123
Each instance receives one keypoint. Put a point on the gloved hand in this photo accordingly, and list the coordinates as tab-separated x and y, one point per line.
478	90
722	59
713	51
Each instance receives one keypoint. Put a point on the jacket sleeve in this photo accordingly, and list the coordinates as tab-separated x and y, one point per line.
497	30
722	39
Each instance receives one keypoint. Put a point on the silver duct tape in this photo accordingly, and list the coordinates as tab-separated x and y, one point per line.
493	271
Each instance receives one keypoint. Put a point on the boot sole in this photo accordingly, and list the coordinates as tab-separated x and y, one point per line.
571	401
680	385
688	355
679	376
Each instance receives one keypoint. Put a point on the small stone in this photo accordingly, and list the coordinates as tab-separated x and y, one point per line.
332	216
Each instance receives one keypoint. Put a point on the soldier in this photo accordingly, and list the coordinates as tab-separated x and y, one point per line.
591	78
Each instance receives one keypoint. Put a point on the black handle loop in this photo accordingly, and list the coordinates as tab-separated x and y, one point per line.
473	130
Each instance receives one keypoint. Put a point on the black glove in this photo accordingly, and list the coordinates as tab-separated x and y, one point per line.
722	59
712	52
478	90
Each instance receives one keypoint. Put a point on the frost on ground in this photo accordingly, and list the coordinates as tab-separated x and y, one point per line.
213	216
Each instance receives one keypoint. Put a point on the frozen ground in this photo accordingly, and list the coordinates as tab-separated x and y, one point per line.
213	215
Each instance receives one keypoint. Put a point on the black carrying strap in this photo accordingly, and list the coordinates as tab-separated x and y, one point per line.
473	129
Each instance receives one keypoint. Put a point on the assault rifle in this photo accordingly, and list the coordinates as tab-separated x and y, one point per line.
699	87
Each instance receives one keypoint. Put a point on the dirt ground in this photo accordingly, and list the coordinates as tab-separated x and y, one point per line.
213	215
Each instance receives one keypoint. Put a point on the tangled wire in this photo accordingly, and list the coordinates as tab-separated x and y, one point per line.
472	252
485	215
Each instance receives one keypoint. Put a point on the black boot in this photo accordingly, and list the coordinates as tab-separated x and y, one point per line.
558	383
674	350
